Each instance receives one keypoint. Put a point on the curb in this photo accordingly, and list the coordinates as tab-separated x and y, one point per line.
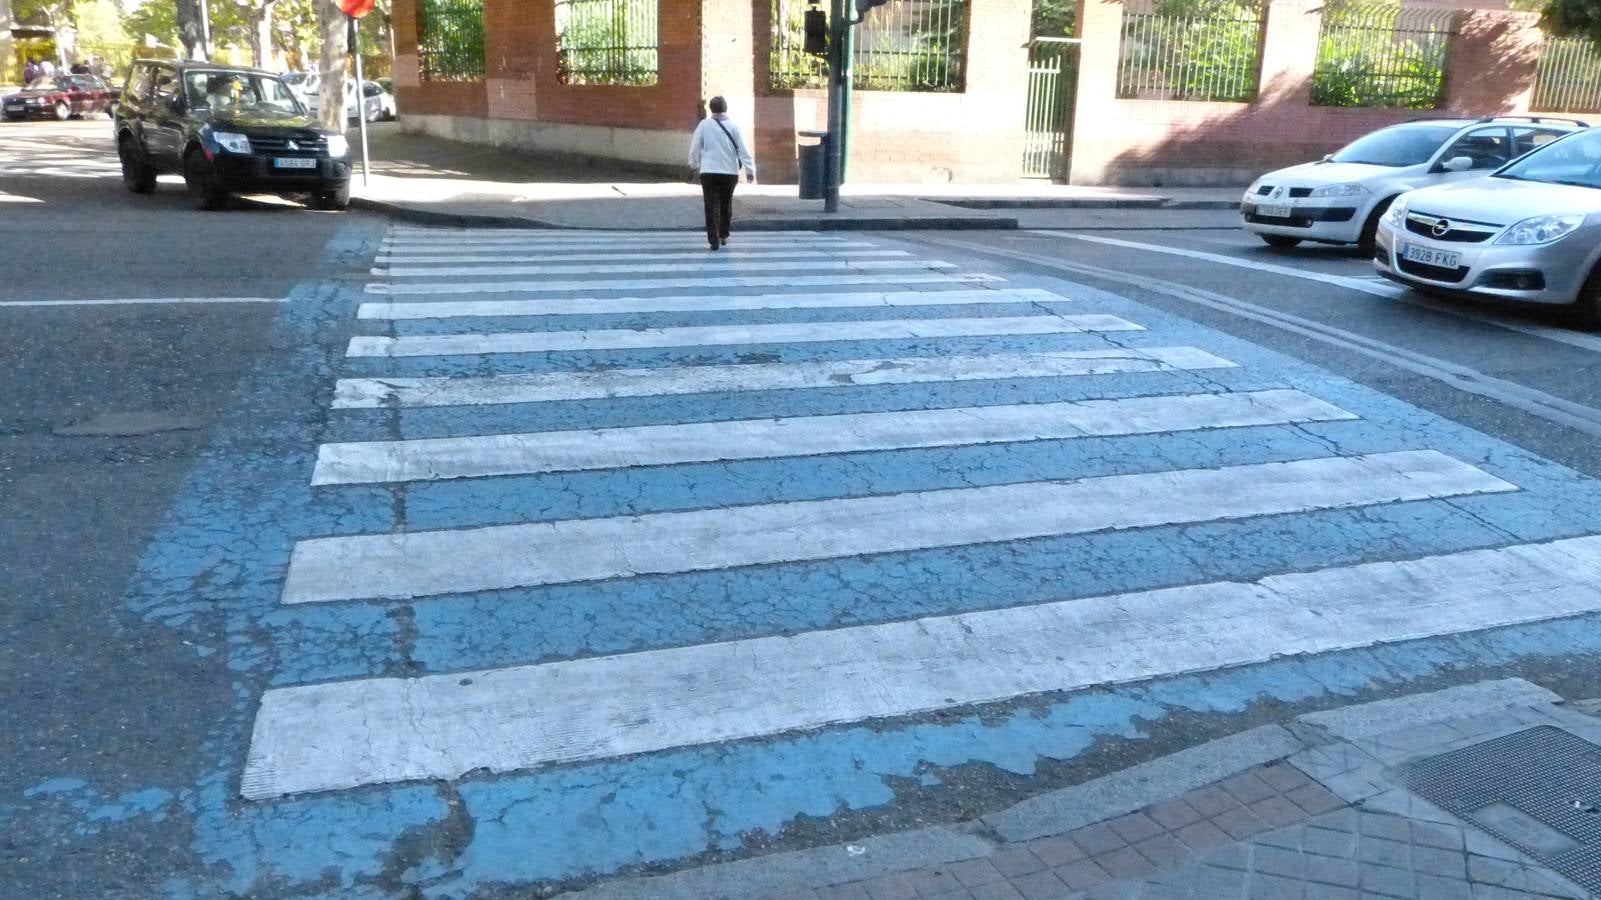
1061	811
406	213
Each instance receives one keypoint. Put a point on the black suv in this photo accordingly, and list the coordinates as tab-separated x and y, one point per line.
227	130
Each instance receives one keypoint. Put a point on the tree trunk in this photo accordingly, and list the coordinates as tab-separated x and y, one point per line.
261	35
6	46
335	57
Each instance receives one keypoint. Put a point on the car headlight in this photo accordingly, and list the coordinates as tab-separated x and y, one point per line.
1542	229
337	145
1339	190
1395	216
233	143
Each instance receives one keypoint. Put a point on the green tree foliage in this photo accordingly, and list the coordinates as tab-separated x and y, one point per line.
1207	50
1573	18
1374	54
1055	18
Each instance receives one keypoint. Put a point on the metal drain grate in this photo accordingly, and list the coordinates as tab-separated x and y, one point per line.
1539	790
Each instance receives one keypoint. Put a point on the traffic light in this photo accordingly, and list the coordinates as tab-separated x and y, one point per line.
816	30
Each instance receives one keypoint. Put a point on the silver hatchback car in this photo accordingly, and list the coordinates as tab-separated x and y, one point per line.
1530	232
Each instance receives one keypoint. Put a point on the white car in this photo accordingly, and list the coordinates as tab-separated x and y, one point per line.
1341	198
308	86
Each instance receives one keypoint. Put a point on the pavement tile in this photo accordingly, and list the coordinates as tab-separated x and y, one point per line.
1394	828
1315	799
1384	852
1283	777
1246	787
1150	891
1389	882
891	887
1330	892
1329	870
932	882
855	890
1480	844
1278	861
1056	851
1434	861
1240	823
1082	875
1397	802
1097	839
1338	820
1202	836
1355	787
1278	811
1433	887
1275	887
796	895
1328	843
1041	886
1210	801
1230	856
975	872
996	890
1290	838
1214	881
958	894
1014	862
1443	837
1135	827
1174	814
1125	863
1164	851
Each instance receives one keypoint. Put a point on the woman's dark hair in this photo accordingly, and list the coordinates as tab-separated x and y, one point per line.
718	106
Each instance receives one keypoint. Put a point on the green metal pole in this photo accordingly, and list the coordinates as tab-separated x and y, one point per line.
845	90
836	127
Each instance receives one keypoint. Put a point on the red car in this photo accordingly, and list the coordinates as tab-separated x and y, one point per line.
60	97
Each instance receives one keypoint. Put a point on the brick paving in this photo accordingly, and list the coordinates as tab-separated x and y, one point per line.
1271	832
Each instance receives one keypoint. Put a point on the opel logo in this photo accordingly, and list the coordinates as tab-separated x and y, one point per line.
293	146
1441	228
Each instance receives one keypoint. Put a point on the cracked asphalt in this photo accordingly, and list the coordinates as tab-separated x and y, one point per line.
154	466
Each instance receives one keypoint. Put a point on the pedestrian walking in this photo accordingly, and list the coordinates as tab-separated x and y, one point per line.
718	152
30	72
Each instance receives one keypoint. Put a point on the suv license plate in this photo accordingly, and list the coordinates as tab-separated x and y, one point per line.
1428	256
1273	212
291	163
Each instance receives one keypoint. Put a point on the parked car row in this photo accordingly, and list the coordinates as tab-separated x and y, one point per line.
377	101
59	97
1505	207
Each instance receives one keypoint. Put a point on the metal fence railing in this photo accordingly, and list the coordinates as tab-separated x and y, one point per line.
1181	52
606	41
905	45
1567	76
1380	54
450	40
1052	78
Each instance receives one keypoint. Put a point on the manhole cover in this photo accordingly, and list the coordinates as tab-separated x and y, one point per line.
1539	790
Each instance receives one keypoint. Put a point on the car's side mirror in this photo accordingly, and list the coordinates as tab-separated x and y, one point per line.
1457	164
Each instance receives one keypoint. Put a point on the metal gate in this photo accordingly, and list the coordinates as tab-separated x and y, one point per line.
1052	85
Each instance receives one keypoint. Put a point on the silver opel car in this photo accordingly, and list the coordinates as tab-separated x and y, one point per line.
1530	232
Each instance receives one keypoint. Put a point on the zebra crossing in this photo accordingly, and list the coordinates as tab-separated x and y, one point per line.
756	437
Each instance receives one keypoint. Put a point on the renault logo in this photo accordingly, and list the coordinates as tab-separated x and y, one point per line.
1277	192
292	145
1441	227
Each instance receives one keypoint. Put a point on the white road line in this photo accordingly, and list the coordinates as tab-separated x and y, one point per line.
147	301
1468	380
661	445
475	235
725	335
664	284
390	259
373	393
352	733
425	563
582	306
719	264
1368	284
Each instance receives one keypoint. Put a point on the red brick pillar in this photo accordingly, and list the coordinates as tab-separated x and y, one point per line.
1095	140
516	33
404	20
1289	53
1490	65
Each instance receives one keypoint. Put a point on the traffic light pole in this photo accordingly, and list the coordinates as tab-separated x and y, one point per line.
838	25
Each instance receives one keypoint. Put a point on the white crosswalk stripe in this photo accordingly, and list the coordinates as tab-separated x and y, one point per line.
425	563
583	306
372	730
660	445
444	726
725	282
368	393
723	335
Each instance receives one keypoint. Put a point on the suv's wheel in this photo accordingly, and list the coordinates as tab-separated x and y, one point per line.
1586	311
1280	241
137	174
63	112
334	200
201	179
1370	228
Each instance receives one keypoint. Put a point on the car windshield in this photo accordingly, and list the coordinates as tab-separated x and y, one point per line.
1403	145
238	91
1574	160
83	82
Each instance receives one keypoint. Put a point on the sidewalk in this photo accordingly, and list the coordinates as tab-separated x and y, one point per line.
1326	807
434	181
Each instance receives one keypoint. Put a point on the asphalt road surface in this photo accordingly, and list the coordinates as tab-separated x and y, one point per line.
399	562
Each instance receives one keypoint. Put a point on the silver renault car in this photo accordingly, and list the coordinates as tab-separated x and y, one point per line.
1530	232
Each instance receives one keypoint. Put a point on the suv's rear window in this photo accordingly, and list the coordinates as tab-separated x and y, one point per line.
1403	145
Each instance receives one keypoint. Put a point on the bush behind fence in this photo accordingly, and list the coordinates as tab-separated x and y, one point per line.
1380	55
450	40
911	45
1191	51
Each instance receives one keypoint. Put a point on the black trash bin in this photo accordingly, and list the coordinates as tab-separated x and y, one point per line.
813	165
